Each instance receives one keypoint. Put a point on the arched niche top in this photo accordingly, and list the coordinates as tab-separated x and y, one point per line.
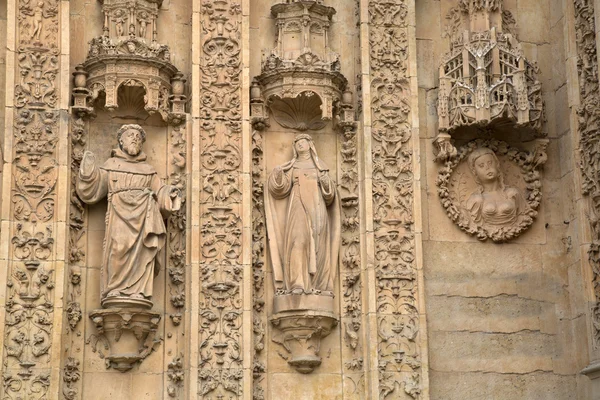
301	112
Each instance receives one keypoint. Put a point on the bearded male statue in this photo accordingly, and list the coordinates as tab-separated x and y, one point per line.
138	202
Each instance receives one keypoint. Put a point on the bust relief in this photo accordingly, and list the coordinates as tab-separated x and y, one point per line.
493	205
492	190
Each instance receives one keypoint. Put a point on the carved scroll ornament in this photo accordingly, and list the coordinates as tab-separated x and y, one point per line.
490	198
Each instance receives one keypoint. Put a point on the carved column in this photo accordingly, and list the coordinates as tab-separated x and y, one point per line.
35	204
221	202
393	277
585	103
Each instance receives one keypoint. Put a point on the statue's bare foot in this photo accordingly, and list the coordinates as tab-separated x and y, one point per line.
298	291
137	296
114	293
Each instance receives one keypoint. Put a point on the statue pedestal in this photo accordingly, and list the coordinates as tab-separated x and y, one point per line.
126	302
129	335
300	322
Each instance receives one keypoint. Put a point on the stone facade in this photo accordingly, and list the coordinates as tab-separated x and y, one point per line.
370	199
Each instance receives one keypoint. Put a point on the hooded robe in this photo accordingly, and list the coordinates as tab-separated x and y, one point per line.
135	230
303	225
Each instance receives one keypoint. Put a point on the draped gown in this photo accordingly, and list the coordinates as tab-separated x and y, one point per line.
135	230
303	224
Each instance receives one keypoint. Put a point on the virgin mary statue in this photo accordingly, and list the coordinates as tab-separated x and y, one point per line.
303	222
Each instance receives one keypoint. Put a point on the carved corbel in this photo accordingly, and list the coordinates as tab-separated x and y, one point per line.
443	149
346	116
300	334
124	329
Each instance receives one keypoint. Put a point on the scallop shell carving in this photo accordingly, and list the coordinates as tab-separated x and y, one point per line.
303	112
131	101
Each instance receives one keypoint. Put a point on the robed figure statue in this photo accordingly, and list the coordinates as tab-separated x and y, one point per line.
303	223
135	230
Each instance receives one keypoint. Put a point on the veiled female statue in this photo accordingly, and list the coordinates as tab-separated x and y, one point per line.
303	222
135	231
494	205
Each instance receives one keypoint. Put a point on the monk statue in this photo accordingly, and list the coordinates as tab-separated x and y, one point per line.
303	223
138	202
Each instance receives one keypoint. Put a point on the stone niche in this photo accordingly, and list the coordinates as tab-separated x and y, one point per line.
301	104
128	79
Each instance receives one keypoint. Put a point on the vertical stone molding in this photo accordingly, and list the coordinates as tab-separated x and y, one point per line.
259	318
33	212
397	369
223	254
588	120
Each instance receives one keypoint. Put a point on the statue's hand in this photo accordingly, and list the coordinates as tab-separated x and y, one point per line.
278	173
175	196
324	179
174	193
87	164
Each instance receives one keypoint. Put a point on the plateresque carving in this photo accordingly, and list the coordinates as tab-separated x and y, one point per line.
300	79
398	315
304	240
127	63
134	241
487	85
589	121
31	276
303	226
490	199
221	348
485	78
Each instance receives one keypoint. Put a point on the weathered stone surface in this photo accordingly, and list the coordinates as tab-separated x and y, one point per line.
415	308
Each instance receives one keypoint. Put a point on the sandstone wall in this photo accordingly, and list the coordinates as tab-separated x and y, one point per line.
425	310
506	318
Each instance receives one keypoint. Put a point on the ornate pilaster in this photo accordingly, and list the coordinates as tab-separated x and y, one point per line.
221	210
393	272
34	213
588	124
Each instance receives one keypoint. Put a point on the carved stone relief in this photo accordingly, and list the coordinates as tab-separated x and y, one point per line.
135	231
302	88
135	239
488	198
124	59
303	218
29	309
485	78
301	80
259	322
487	85
176	225
589	121
398	348
221	270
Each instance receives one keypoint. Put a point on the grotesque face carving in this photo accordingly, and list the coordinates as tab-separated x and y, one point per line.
131	142
75	275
